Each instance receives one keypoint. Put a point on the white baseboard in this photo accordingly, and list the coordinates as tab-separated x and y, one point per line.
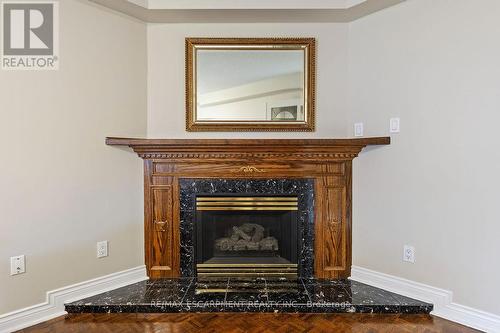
54	304
441	298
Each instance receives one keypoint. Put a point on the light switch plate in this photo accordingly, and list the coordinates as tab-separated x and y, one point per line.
358	129
17	265
394	125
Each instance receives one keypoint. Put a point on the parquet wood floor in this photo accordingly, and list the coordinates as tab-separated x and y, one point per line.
245	322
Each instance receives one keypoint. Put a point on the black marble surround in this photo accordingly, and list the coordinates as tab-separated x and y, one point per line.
249	295
302	188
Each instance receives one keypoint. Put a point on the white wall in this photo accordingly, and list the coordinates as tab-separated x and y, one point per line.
61	188
166	91
435	64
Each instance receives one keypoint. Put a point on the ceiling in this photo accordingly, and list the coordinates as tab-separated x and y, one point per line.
246	11
246	4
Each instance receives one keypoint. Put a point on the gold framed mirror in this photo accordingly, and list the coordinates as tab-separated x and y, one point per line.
250	84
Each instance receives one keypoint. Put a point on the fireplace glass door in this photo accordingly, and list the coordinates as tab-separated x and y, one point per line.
251	235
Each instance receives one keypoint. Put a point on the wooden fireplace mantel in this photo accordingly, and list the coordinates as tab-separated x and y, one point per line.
381	140
159	148
327	161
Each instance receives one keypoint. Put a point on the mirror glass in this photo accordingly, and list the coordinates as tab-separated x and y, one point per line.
250	85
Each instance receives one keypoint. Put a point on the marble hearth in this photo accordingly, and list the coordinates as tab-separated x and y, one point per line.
249	295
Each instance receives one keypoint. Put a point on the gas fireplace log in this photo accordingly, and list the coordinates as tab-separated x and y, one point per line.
239	232
248	236
228	244
256	230
240	245
224	244
269	244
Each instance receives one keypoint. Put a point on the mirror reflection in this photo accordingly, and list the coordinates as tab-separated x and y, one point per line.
246	85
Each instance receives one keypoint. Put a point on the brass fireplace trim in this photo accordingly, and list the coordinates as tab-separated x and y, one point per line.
247	274
248	270
245	265
247	208
266	269
256	203
209	291
291	199
247	203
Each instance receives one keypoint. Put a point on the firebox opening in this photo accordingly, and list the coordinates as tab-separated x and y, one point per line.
251	235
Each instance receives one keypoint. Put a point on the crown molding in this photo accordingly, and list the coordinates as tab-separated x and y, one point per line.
244	11
246	4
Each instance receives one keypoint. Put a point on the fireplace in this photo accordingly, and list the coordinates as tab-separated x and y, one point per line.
247	227
246	235
177	171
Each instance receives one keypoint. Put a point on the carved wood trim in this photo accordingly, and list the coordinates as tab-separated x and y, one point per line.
162	231
248	169
245	155
161	226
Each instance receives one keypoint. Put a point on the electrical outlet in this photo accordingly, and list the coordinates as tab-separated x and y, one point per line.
102	249
17	265
358	129
409	254
394	125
